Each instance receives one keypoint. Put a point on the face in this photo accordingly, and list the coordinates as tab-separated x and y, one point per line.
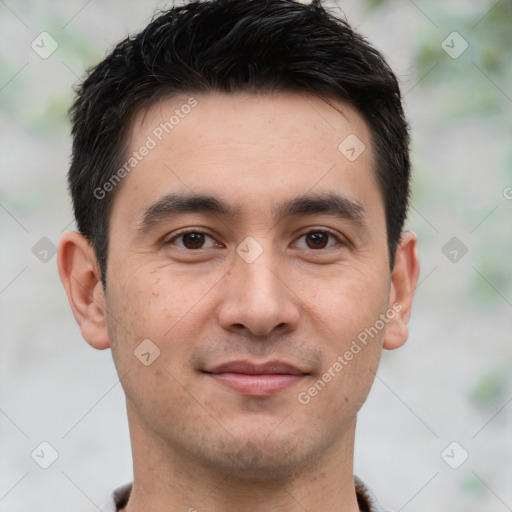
251	251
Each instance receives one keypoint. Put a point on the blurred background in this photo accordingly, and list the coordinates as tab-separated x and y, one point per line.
436	431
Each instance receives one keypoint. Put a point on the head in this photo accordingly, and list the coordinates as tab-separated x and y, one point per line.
229	46
275	135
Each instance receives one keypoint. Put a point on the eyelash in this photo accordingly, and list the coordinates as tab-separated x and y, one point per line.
199	231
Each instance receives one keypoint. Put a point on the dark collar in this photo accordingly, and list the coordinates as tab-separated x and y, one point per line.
365	498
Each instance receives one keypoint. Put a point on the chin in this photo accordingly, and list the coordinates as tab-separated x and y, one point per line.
261	459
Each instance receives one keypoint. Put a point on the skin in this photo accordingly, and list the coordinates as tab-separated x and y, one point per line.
197	444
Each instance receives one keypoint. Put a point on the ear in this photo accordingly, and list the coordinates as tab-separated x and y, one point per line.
80	275
404	278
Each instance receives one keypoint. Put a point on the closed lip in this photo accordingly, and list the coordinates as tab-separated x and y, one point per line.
251	368
256	379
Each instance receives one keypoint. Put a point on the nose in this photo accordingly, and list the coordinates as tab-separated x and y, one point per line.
258	298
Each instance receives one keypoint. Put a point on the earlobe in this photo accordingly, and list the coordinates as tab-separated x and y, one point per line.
80	275
404	278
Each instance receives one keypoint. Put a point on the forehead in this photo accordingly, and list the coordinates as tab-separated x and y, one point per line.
303	120
248	148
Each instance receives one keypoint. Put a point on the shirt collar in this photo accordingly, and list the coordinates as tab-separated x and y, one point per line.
365	498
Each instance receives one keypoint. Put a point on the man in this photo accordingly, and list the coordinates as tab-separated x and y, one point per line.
240	180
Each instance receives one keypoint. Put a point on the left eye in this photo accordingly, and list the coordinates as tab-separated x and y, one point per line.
318	239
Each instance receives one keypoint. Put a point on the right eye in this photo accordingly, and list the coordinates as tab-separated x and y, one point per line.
192	239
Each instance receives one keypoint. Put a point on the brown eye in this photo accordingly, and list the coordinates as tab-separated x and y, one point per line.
192	240
318	240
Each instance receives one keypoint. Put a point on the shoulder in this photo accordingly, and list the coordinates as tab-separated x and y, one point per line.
118	499
366	499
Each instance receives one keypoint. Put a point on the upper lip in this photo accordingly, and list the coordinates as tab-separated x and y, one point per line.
247	367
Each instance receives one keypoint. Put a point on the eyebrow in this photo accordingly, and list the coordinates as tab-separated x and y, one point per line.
174	204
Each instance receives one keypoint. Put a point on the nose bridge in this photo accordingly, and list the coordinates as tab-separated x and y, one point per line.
260	279
256	296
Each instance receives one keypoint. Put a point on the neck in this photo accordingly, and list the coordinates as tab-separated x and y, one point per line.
166	480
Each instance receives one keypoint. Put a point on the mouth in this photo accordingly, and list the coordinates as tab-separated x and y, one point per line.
252	379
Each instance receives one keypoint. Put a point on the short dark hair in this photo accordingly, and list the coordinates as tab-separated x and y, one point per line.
230	46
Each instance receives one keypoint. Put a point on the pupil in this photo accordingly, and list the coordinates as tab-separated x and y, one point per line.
319	240
193	240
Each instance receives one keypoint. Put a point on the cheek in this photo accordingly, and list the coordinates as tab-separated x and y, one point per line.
146	330
148	300
156	305
345	310
347	302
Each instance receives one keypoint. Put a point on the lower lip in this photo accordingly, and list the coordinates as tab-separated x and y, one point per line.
257	385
